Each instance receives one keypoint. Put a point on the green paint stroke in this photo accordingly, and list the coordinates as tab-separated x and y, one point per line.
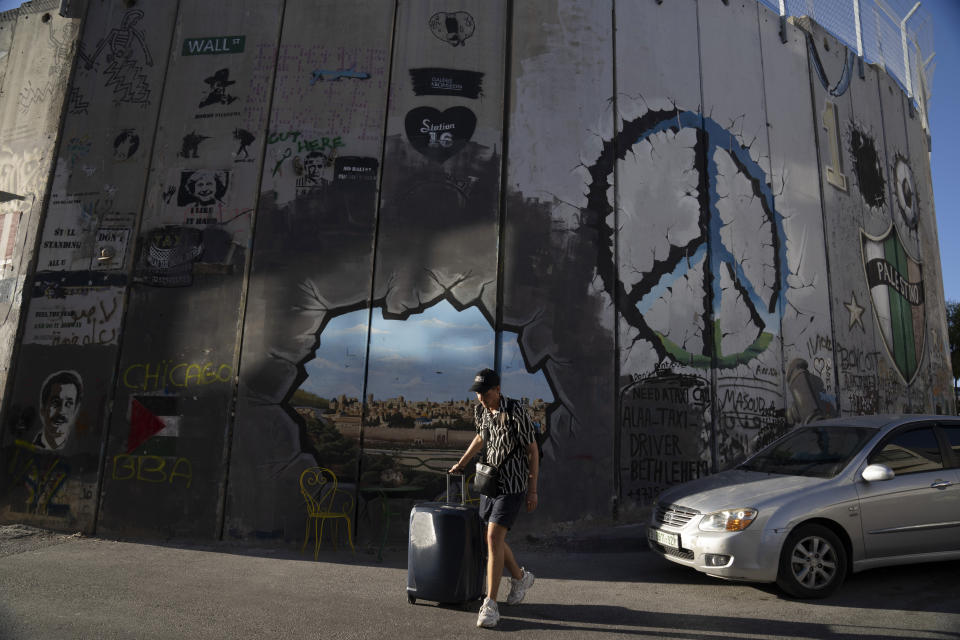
700	361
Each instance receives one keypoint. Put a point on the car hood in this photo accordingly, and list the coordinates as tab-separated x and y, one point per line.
734	488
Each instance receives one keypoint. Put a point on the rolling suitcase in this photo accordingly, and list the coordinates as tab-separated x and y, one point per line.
445	551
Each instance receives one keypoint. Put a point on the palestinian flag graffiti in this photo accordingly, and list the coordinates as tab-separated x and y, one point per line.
896	292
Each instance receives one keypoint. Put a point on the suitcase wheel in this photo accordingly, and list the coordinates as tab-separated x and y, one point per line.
411	598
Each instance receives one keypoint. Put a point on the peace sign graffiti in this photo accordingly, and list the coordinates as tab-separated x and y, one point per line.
728	287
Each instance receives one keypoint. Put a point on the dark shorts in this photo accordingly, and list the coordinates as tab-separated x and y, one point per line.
503	509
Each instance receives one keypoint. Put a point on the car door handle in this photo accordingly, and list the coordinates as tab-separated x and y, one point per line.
941	484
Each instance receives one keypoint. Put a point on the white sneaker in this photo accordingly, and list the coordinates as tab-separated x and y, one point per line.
489	614
518	588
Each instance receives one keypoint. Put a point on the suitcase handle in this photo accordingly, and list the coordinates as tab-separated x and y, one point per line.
463	493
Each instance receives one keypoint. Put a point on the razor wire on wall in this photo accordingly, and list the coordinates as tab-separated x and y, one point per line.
896	34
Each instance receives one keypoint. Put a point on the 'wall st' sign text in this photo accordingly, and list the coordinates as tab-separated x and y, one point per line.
211	46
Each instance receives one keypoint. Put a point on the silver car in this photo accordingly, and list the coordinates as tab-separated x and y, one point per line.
832	497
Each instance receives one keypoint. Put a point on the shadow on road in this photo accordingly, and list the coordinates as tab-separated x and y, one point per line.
907	588
589	618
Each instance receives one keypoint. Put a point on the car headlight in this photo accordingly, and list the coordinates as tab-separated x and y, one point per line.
728	520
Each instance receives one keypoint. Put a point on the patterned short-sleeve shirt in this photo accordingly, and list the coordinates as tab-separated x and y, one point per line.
506	434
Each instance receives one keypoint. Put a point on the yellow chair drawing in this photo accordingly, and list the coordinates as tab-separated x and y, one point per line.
319	489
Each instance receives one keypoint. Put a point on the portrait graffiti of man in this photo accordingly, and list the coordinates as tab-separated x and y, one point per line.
60	398
218	84
311	171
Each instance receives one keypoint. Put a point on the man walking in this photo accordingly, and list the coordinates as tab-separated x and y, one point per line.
506	434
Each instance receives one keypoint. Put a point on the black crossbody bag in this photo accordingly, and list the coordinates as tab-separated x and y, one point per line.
487	478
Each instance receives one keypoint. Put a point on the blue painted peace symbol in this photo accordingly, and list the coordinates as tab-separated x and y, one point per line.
708	249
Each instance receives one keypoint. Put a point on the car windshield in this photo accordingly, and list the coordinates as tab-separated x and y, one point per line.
819	452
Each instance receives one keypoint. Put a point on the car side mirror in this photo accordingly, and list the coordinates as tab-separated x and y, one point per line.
877	472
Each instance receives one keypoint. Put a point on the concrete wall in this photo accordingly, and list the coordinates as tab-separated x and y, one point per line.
287	233
40	51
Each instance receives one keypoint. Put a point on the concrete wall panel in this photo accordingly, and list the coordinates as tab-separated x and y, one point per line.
847	187
312	261
443	149
436	263
864	148
165	468
747	264
936	351
83	257
278	236
107	138
555	309
904	381
38	65
664	418
8	24
808	357
43	485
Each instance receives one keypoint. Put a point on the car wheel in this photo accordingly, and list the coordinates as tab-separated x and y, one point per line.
813	562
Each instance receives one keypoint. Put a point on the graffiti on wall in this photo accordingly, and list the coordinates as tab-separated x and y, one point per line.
153	470
435	81
170	375
439	135
190	145
244	138
867	167
905	190
172	255
335	75
418	405
59	406
9	228
697	291
718	279
844	77
84	231
343	77
154	422
895	279
810	398
213	46
37	481
452	27
218	90
125	144
302	162
73	310
60	41
120	57
665	432
22	170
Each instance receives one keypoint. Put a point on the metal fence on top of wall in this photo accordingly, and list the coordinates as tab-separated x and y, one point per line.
896	34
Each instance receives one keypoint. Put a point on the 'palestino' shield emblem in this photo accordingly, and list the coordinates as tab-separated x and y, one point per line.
896	291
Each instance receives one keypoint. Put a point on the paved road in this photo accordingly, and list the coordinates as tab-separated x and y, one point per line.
65	587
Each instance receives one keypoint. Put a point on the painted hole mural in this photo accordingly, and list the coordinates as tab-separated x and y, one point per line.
419	415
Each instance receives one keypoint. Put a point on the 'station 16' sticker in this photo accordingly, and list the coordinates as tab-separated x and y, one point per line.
439	135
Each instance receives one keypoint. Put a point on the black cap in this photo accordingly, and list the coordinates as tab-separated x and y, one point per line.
485	380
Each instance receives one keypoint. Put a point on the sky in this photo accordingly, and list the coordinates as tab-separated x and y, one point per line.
430	356
945	134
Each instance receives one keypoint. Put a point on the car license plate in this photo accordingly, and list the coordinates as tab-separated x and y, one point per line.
671	540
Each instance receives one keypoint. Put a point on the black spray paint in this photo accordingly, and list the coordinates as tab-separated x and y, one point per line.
866	166
433	81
